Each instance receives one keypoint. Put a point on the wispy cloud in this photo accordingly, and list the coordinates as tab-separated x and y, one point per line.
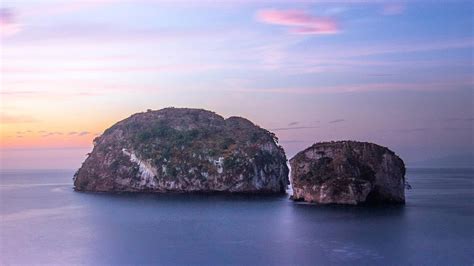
55	133
291	141
293	123
100	34
459	119
17	92
65	7
290	128
8	23
409	47
16	119
337	121
58	133
119	69
432	129
458	128
299	21
412	130
415	86
12	92
24	132
393	9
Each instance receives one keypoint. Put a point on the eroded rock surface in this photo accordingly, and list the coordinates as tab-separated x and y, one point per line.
347	172
184	150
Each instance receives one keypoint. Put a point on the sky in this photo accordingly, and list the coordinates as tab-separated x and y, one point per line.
399	74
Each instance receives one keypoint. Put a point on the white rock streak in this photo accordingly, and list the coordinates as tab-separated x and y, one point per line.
147	172
220	165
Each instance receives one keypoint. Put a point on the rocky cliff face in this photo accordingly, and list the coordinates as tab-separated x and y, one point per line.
184	150
347	172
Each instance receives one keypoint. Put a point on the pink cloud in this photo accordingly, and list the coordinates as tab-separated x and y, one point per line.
299	22
8	25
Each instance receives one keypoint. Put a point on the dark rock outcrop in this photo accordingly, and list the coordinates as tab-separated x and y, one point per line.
347	172
184	150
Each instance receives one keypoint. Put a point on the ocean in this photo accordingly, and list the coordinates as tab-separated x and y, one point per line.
43	221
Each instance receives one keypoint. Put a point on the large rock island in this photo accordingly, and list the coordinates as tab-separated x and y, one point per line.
347	172
184	150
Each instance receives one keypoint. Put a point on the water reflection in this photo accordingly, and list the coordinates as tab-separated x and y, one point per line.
50	223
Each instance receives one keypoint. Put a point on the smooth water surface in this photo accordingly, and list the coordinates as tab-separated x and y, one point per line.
43	221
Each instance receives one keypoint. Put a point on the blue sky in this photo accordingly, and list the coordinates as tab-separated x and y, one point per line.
395	73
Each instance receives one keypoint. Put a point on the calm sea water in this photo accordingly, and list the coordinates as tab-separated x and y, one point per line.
43	221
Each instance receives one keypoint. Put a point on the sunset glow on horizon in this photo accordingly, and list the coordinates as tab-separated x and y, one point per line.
396	73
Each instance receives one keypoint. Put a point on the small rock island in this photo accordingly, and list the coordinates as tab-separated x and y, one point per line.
184	150
347	172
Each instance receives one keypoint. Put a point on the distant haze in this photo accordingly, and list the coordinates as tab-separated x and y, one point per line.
454	161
